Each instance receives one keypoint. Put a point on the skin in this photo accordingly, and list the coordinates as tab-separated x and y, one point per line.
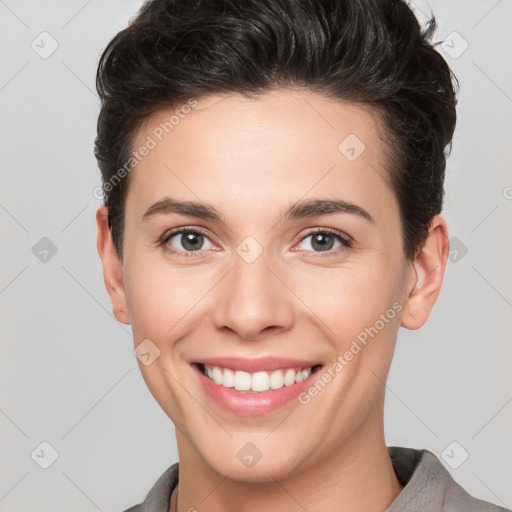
251	158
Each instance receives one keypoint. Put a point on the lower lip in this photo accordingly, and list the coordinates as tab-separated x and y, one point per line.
243	403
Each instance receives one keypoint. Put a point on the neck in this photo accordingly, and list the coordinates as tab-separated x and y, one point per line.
357	475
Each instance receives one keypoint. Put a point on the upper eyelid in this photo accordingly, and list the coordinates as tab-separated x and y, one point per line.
180	231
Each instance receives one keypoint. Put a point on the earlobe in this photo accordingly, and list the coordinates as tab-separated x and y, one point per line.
428	267
112	267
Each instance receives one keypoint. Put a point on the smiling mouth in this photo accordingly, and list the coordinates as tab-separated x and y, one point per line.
256	382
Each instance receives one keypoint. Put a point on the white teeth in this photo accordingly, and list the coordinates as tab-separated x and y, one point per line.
276	379
289	377
228	379
258	381
242	381
217	375
306	373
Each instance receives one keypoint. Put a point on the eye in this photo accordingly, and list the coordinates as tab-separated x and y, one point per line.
323	240
184	242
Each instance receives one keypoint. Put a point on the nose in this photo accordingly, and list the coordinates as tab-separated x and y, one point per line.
255	300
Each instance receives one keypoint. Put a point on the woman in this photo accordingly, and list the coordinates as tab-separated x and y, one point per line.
273	181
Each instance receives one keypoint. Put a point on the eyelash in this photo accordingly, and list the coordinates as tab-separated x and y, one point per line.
345	241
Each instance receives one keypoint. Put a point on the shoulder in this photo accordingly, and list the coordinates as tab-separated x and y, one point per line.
157	499
429	486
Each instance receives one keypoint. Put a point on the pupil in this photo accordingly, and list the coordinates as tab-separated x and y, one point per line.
189	240
321	241
323	245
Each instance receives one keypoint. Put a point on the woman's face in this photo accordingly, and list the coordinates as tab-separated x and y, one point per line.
260	284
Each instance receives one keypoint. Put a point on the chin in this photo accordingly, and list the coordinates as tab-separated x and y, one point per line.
266	468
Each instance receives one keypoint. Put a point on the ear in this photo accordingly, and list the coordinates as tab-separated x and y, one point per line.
427	275
112	267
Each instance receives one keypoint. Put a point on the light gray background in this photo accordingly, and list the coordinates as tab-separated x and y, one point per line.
68	374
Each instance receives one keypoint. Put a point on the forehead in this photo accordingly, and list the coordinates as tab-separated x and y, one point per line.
277	148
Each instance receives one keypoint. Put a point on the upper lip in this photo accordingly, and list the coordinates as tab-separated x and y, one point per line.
263	364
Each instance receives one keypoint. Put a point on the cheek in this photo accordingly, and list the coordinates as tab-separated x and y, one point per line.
160	299
348	300
165	301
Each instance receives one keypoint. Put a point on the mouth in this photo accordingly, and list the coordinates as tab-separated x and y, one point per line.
256	382
255	386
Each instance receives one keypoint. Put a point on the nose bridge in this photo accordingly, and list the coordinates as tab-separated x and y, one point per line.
254	298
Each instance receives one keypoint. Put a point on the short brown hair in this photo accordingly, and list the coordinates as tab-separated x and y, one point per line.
363	51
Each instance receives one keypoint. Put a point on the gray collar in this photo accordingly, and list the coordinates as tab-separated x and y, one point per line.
428	487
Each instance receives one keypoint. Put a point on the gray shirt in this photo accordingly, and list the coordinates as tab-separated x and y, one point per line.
428	487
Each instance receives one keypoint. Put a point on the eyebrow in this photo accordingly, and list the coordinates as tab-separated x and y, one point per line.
301	209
